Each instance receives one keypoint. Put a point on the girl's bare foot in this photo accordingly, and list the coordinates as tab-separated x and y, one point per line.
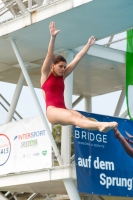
116	133
107	126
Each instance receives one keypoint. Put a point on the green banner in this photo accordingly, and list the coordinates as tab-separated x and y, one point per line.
129	73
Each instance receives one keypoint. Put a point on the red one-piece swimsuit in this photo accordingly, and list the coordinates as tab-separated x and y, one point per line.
54	91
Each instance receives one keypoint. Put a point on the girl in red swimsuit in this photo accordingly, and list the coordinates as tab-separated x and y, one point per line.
53	73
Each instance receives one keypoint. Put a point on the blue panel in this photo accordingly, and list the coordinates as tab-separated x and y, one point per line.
104	166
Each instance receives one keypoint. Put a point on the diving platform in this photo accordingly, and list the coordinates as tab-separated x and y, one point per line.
48	181
77	24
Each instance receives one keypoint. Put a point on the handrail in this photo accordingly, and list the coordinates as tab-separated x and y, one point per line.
9	105
31	7
6	110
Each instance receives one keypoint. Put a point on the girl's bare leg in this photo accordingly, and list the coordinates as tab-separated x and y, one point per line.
69	117
78	114
126	146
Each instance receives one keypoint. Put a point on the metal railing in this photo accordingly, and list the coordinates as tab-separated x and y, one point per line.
117	41
5	105
10	10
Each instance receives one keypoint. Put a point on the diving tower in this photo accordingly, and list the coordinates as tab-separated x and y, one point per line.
33	46
24	39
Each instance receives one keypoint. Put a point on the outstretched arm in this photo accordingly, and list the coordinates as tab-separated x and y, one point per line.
48	60
124	142
79	56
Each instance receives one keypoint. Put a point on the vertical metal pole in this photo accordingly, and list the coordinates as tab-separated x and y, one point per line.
120	103
66	130
46	2
71	189
39	2
15	99
68	82
88	104
30	4
27	78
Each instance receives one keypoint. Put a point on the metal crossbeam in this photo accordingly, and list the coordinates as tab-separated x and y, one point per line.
6	109
9	105
112	42
7	5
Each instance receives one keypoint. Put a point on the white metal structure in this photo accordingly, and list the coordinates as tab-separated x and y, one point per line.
101	71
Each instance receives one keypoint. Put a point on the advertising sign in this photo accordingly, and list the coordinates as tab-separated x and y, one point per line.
24	146
104	161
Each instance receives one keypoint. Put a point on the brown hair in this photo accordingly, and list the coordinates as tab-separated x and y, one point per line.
58	58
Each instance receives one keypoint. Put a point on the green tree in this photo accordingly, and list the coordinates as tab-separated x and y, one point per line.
56	132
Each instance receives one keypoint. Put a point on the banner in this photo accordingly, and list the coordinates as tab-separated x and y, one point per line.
24	146
129	73
104	161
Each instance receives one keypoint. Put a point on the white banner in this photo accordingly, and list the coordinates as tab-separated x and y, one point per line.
24	146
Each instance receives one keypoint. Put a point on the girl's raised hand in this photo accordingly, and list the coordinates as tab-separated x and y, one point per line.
52	29
91	40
